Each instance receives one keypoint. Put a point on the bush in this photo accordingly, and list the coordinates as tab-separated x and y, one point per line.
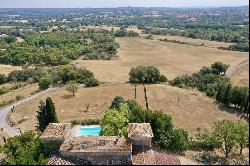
179	82
3	78
91	82
24	75
146	74
207	141
3	90
26	149
45	83
178	141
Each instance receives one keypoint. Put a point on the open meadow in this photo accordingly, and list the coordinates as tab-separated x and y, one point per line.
170	58
187	107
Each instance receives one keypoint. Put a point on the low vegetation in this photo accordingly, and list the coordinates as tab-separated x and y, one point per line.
146	74
227	136
215	84
26	149
115	122
58	47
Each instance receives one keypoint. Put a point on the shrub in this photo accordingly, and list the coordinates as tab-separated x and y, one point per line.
3	90
45	83
146	74
3	78
179	82
26	149
91	82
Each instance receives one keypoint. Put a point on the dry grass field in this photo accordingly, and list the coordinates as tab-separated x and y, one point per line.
172	59
207	43
5	69
189	108
21	92
241	76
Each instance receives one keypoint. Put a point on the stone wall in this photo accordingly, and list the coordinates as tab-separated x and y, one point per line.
141	141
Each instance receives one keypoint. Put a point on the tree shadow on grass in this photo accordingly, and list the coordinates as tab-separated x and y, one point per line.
67	96
233	110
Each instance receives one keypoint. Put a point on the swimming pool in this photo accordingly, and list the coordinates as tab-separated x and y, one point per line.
89	131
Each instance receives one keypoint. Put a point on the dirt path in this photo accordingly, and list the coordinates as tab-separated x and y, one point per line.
233	70
4	124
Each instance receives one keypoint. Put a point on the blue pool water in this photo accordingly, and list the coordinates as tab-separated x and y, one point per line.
89	131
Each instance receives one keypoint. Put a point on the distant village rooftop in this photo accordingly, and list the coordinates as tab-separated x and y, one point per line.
140	130
56	131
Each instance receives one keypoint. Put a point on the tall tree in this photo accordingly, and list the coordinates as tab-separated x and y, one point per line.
46	114
227	95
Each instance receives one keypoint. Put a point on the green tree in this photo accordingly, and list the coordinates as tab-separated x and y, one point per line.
225	131
242	135
219	68
118	100
72	87
178	141
26	149
45	82
46	114
114	122
146	74
227	95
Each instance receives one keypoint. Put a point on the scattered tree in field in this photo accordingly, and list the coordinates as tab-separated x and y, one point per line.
242	135
26	149
146	74
46	114
225	130
219	68
72	87
45	82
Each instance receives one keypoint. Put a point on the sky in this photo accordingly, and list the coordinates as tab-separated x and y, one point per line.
118	3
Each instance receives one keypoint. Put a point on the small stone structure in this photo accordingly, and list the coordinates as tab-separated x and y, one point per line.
140	134
100	150
54	135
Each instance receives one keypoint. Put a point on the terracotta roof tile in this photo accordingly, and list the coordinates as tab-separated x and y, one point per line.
139	130
96	144
56	130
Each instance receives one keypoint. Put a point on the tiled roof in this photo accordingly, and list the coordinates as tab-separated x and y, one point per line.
143	156
139	130
56	130
96	144
62	160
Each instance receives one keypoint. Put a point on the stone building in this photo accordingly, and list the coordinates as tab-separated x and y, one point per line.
98	150
140	134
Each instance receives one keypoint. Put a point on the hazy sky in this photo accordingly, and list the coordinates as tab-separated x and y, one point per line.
118	3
